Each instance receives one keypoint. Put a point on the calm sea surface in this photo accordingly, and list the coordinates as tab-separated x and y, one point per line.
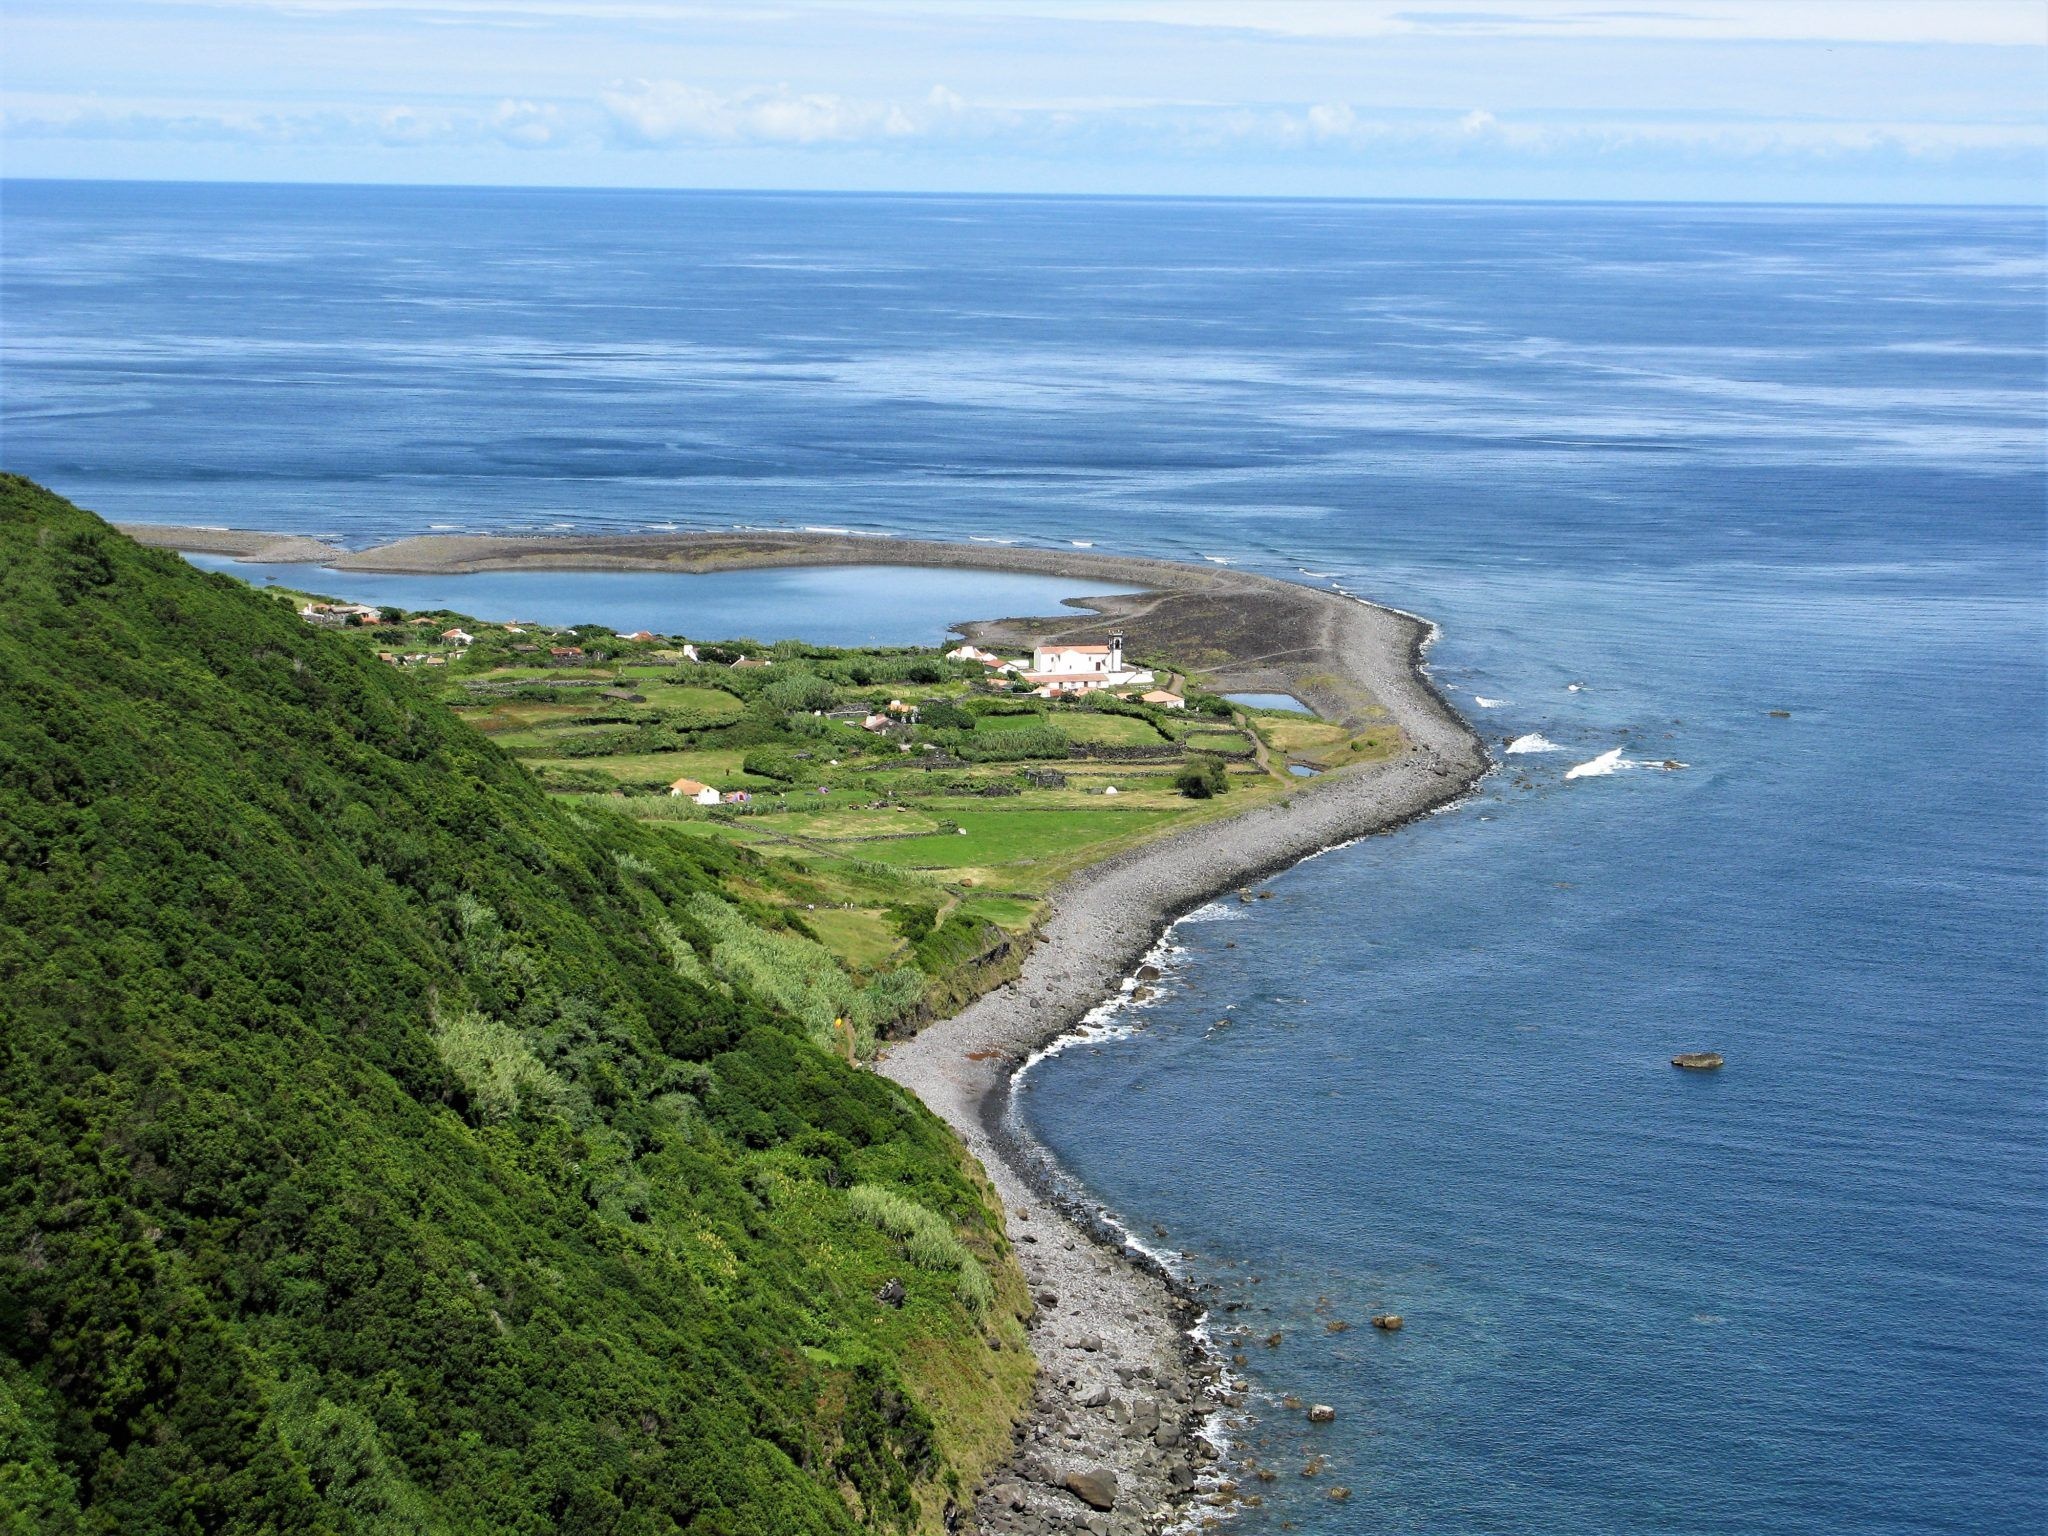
1705	463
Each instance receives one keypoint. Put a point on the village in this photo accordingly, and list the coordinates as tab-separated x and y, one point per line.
897	805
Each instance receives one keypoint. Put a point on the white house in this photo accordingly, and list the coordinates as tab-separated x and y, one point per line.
458	637
974	653
1164	699
1058	669
340	613
703	794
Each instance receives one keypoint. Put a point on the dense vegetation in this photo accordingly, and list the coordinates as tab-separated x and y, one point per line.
387	1147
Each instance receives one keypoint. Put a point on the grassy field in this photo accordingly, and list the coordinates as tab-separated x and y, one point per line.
1108	730
861	938
1028	849
926	845
1321	744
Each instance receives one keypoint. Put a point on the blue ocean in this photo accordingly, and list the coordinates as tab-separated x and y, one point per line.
1756	490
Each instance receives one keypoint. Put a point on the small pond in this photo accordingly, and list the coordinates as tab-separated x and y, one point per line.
826	604
1286	701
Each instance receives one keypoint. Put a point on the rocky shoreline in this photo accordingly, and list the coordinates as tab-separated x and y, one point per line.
1125	1385
1122	1434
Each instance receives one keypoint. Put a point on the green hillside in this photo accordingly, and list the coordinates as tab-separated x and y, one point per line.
379	1154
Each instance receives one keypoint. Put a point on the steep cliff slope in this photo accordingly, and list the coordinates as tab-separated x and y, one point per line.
378	1151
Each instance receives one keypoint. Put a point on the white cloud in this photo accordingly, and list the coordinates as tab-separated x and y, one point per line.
1342	126
667	111
674	114
526	124
1332	120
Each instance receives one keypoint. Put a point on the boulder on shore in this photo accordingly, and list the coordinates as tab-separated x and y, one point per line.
1096	1487
1697	1061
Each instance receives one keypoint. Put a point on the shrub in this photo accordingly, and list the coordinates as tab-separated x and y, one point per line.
773	763
1033	741
1203	778
499	1075
795	692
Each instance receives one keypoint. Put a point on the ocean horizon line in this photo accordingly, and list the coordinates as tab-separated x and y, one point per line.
942	194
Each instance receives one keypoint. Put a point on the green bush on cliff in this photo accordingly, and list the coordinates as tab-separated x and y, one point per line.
385	1147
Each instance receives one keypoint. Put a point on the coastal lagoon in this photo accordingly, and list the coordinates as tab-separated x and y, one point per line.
1657	471
849	605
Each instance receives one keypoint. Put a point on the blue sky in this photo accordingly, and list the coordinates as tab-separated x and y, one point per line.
1769	100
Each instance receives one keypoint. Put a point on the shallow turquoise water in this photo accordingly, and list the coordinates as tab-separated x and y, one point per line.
832	605
1703	462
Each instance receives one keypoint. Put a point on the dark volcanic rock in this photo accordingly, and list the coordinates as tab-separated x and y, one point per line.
891	1295
1697	1061
1096	1487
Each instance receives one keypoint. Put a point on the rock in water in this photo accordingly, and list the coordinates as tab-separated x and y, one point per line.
1390	1322
1095	1488
1697	1061
1322	1413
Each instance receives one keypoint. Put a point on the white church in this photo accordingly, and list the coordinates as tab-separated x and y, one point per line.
1064	669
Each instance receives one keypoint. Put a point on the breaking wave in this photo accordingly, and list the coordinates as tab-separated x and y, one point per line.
1599	767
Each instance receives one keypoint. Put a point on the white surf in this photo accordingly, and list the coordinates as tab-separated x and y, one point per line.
1599	767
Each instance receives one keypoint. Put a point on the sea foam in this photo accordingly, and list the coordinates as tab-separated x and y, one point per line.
1535	741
